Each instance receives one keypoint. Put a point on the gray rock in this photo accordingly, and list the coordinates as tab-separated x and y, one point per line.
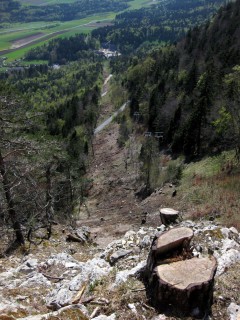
63	259
28	266
228	255
234	230
161	228
89	271
146	241
160	317
122	276
83	233
233	311
225	232
118	255
7	306
36	279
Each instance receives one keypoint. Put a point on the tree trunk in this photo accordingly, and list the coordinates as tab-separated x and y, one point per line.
184	288
49	201
10	203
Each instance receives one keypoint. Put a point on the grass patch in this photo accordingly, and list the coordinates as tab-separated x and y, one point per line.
211	188
44	2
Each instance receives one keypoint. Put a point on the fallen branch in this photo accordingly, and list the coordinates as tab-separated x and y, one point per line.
138	289
94	313
51	277
147	306
77	298
100	301
87	299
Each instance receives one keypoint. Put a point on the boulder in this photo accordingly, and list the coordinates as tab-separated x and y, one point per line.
122	276
183	286
168	215
118	255
233	311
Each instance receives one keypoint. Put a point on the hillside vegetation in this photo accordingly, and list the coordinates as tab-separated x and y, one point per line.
13	11
191	91
163	21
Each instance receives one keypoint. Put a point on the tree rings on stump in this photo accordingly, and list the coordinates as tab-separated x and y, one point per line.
168	215
185	286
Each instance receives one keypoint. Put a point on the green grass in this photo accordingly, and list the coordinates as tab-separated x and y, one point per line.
44	2
13	32
212	186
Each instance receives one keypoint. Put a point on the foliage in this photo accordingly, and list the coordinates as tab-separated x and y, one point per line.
163	22
61	51
180	89
12	10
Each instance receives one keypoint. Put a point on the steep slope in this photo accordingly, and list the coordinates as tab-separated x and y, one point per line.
190	91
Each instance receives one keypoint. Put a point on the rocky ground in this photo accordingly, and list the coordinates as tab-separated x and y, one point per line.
98	278
69	280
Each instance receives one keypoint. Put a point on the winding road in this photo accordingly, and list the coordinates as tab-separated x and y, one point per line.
110	119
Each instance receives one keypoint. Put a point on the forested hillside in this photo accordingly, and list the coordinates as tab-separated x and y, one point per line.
47	118
165	21
13	11
191	91
63	50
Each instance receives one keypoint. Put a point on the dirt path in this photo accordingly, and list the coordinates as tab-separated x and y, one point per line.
112	208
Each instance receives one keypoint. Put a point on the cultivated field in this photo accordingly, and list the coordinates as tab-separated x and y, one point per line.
44	2
16	39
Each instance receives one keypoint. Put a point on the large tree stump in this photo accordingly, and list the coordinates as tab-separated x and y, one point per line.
168	215
169	245
183	287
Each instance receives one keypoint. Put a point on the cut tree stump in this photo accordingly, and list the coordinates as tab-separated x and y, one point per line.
184	287
168	215
169	245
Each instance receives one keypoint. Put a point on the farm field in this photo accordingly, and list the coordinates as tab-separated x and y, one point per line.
16	39
44	2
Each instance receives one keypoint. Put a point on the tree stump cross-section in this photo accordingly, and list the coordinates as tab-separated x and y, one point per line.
184	286
170	244
168	215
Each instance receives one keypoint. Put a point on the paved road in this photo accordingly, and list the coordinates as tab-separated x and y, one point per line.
110	119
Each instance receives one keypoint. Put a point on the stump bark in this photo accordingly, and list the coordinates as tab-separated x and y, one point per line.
185	287
168	215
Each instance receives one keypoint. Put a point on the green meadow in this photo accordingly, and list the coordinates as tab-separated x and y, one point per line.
19	31
44	2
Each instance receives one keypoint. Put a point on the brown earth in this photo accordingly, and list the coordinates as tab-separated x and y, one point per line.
112	208
21	42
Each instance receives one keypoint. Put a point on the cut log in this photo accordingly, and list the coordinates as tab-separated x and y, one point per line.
184	287
168	215
172	239
170	244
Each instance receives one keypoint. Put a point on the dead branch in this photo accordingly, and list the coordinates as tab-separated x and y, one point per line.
79	295
95	312
52	277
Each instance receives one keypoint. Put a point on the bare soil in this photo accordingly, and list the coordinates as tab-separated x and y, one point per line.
112	207
22	42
